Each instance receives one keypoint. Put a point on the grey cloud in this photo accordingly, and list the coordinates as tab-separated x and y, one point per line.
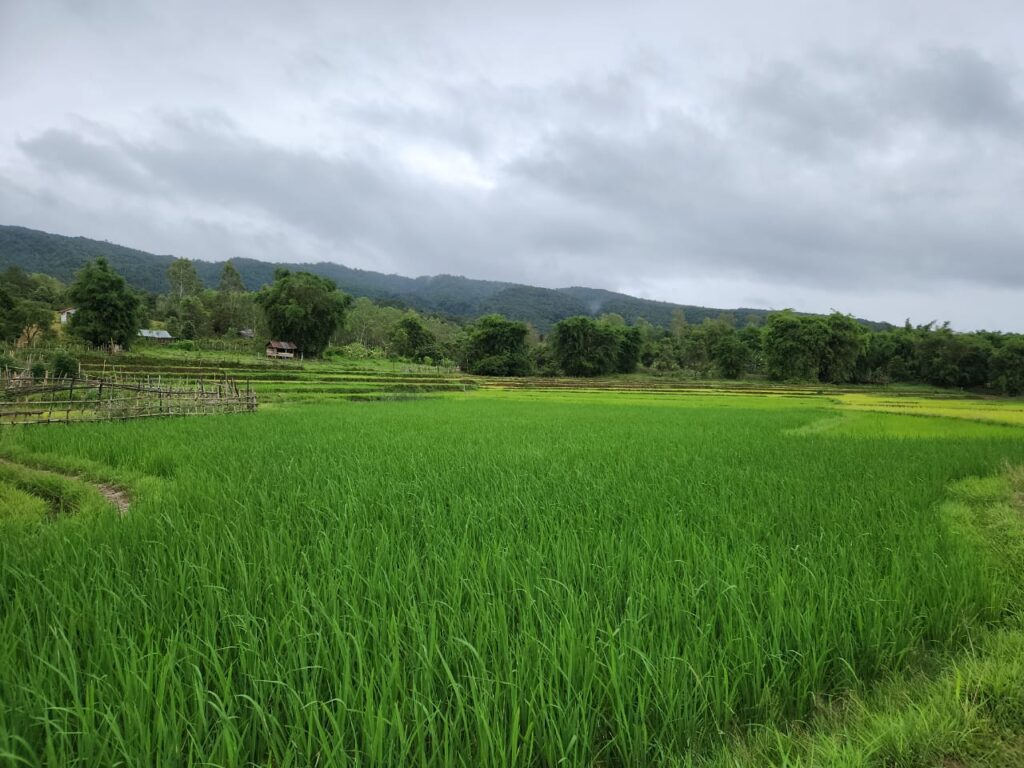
63	150
835	102
831	169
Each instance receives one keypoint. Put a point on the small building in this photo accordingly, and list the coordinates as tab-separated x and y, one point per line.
282	349
66	313
247	333
160	337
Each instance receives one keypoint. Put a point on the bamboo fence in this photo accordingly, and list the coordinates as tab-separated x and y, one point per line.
25	400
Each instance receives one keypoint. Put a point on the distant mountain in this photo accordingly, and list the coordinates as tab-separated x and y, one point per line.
459	297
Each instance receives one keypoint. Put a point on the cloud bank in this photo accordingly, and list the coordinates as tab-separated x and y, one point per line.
689	158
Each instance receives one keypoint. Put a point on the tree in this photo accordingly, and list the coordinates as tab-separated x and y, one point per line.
230	280
183	279
730	355
410	338
948	359
1007	366
108	311
193	318
679	324
230	311
583	347
303	308
631	343
843	348
368	323
794	345
10	316
36	320
495	346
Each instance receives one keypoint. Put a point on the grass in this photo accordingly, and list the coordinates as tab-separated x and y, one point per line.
996	411
17	505
517	578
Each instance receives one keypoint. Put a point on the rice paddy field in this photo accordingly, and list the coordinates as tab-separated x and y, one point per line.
629	575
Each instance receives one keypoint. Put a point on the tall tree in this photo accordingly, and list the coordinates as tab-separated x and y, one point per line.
730	355
583	347
108	310
183	279
230	280
842	350
495	346
303	308
10	316
630	342
36	321
409	337
794	345
1007	366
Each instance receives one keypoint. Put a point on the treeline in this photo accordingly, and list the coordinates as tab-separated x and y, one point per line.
310	311
839	350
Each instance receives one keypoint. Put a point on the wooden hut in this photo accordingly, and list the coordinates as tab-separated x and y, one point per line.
282	349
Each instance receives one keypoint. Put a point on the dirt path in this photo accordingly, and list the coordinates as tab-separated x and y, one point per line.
116	495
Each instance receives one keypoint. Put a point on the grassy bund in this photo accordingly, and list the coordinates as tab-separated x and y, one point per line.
627	575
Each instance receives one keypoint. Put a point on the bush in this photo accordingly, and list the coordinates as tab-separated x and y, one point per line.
186	344
354	351
509	364
38	370
63	365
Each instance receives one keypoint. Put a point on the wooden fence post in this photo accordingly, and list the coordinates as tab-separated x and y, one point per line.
71	397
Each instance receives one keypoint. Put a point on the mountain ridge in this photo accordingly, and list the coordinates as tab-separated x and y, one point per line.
453	295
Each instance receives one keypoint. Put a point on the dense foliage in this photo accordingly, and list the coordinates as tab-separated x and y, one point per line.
410	338
447	295
303	308
495	346
26	302
107	309
582	346
788	346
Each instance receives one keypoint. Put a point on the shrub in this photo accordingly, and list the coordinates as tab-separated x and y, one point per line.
508	364
354	351
63	365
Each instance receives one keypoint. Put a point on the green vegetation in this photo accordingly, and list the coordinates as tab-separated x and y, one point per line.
599	578
585	347
108	312
307	309
410	338
303	308
497	347
447	295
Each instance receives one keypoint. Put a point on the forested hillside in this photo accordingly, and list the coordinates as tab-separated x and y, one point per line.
459	297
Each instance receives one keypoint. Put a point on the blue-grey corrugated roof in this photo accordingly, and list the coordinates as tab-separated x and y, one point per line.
148	334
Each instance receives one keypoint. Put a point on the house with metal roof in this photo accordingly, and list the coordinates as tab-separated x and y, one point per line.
159	336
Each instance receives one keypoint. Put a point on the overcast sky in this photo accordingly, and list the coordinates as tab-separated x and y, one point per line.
862	155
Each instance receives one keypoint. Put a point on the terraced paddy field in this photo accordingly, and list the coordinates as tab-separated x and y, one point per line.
526	577
276	381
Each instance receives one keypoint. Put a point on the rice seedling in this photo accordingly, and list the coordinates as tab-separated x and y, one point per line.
483	579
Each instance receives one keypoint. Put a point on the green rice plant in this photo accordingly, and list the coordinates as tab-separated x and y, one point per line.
489	579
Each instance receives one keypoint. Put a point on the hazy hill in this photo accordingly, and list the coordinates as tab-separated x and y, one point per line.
461	297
